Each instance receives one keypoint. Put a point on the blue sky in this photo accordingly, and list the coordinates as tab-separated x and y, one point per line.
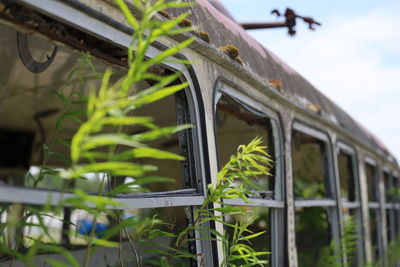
353	58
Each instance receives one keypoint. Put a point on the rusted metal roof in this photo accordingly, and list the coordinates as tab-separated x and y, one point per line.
267	66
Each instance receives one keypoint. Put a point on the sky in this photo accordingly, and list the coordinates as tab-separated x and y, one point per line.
353	58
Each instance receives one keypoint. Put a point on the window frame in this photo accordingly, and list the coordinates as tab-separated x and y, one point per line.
375	206
390	205
233	91
330	204
324	137
115	33
350	151
396	179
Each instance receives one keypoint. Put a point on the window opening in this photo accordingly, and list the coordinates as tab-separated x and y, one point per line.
28	133
316	214
396	198
372	182
313	235
182	172
390	206
374	212
262	223
349	193
237	123
347	177
310	174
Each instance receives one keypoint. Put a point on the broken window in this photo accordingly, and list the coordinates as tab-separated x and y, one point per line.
351	201
261	223
347	177
313	235
237	123
390	195
314	192
375	219
396	199
27	133
309	167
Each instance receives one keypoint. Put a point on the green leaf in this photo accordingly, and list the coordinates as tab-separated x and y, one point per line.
113	167
110	139
99	201
147	152
165	54
126	188
161	5
56	263
128	14
160	94
248	237
164	262
105	243
58	249
126	121
165	27
161	132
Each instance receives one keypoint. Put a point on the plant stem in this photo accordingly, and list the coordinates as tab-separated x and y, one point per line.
196	221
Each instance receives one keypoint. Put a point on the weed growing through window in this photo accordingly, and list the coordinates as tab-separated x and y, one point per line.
102	116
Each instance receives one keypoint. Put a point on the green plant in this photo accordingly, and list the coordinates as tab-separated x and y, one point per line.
391	256
103	116
333	255
233	181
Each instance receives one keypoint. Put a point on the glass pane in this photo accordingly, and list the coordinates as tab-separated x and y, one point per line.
372	182
237	126
312	236
347	177
309	166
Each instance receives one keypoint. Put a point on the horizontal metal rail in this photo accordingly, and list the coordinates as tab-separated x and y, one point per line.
373	205
30	196
315	203
256	203
351	205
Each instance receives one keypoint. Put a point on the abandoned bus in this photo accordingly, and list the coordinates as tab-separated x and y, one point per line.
327	169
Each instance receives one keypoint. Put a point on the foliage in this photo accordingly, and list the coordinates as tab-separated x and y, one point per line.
233	181
102	117
333	255
391	257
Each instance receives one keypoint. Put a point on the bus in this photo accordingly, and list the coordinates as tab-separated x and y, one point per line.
328	169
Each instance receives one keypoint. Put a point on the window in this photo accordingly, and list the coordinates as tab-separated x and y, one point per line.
25	133
396	186
390	196
237	123
375	219
350	198
316	215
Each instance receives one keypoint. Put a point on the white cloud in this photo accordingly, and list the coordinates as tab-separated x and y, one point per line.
356	62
